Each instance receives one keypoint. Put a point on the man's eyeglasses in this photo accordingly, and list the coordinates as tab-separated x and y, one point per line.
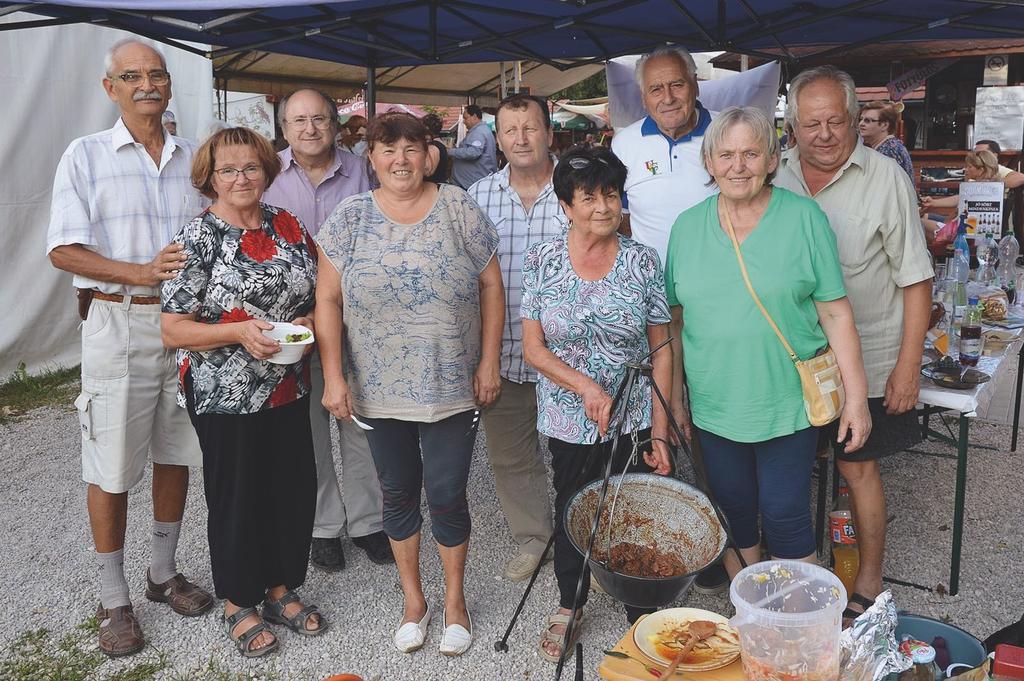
300	122
581	162
865	119
135	78
231	174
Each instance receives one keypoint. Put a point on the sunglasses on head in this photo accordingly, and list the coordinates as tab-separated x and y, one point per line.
581	162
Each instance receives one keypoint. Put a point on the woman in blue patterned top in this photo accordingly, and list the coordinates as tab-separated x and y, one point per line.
877	124
593	301
248	264
410	306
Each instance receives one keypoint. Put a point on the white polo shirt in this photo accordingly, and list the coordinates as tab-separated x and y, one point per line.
665	177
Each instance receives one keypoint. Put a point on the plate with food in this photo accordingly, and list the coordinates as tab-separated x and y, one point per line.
663	634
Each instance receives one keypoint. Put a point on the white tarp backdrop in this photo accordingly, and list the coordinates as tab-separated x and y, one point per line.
53	94
757	87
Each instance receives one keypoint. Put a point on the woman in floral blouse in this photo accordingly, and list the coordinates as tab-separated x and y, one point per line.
593	301
248	264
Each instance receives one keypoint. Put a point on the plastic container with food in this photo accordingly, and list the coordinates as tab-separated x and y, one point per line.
293	339
789	615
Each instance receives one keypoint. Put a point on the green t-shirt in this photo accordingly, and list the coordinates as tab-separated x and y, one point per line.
742	384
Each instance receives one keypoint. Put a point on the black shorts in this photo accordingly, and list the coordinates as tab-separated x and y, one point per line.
889	434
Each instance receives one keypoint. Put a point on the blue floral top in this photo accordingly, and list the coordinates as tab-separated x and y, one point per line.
596	327
411	303
231	275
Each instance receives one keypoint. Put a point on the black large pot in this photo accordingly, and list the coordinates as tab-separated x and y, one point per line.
650	509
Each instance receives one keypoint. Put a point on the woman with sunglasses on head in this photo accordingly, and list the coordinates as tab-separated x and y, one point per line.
248	264
410	306
593	301
878	124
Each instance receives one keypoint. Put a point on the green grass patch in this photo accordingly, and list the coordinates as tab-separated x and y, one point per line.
41	655
23	391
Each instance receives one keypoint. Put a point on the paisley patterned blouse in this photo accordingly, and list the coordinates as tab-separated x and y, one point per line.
596	327
231	275
411	303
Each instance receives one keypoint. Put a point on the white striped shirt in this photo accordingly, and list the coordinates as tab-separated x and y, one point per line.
517	231
109	196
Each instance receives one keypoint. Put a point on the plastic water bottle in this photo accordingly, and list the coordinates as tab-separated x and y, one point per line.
845	554
986	252
970	334
1009	249
961	237
959	271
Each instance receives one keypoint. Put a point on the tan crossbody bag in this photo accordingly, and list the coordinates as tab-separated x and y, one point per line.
820	378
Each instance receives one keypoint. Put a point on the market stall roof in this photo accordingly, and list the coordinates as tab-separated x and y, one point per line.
435	84
561	34
886	53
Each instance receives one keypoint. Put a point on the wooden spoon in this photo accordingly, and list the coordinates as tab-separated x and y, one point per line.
699	630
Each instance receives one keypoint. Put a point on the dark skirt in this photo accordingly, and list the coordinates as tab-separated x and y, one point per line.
259	475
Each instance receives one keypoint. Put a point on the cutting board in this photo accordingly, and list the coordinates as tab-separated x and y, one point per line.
617	669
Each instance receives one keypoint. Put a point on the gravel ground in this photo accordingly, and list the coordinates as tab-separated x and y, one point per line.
49	568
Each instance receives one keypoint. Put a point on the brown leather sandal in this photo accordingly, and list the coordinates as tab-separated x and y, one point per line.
119	631
184	597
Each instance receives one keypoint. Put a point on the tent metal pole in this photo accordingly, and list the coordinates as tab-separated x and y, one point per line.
371	89
501	86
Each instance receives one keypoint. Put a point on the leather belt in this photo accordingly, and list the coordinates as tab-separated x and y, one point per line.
118	298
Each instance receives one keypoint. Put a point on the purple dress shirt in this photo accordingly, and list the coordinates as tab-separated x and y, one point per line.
293	191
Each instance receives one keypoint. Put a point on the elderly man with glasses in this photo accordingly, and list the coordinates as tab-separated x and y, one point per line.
119	197
315	176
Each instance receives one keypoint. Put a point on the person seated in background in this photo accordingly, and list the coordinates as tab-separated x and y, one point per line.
979	166
993	146
878	123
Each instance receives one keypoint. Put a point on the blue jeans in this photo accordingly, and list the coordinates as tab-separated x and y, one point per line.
770	478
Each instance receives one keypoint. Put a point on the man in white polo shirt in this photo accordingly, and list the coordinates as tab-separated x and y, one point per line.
666	174
119	197
662	150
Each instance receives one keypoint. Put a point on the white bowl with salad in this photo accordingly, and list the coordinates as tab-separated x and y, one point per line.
293	339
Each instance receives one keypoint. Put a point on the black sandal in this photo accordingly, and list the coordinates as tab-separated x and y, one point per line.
245	639
861	600
273	611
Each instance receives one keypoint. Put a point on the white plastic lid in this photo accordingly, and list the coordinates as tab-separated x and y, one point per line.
923	655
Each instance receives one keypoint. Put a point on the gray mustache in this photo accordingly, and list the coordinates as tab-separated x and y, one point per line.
140	96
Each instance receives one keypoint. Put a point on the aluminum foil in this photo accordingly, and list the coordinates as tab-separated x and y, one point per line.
868	648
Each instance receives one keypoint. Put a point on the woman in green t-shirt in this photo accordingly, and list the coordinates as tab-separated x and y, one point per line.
744	392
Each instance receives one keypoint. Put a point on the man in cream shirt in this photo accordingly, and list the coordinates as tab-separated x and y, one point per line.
872	207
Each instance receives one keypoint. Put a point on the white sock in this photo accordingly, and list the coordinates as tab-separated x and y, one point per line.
113	586
165	543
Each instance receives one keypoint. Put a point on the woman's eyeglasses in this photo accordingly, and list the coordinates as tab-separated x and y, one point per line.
231	174
865	119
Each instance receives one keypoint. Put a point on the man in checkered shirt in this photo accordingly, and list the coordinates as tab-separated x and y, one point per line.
119	197
521	202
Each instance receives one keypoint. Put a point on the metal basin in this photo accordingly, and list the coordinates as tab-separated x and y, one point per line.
651	509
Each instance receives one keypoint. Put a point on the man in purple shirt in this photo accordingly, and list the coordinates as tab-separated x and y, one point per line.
315	177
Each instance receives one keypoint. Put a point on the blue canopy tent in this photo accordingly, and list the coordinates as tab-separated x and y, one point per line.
381	34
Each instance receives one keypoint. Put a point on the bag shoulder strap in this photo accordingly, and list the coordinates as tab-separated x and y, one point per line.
746	280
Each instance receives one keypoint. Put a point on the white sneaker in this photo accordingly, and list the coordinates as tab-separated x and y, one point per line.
520	567
410	636
456	639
